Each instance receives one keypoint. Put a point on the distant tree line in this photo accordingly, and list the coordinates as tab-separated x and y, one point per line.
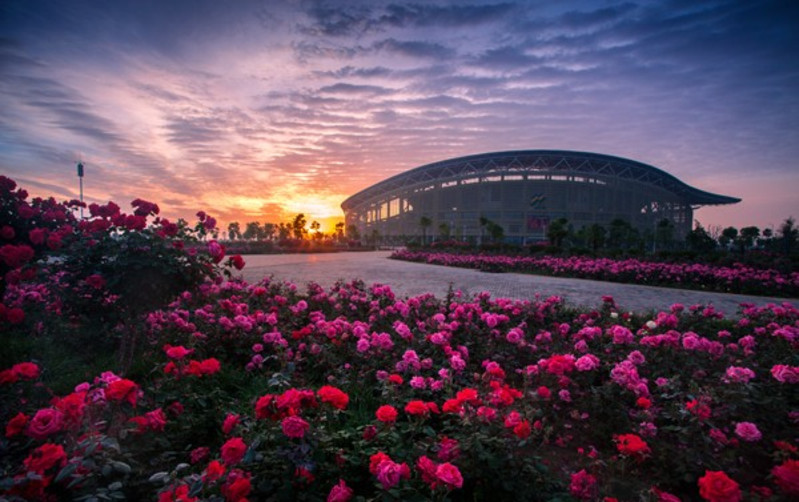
295	229
620	237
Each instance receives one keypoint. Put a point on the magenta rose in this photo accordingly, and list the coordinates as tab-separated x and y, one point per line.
46	422
294	426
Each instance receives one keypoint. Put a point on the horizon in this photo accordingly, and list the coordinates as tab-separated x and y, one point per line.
259	111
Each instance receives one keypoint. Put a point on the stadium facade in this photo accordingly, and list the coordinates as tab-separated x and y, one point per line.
524	192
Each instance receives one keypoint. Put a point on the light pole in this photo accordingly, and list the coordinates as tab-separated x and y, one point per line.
80	177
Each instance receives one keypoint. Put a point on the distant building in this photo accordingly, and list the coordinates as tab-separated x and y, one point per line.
523	192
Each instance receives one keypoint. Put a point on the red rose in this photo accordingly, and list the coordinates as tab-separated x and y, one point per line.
386	414
15	315
786	475
544	392
122	390
231	420
375	460
26	371
237	261
210	366
72	407
449	475
16	425
331	395
522	430
233	451
716	486
45	457
37	236
294	427
237	488
8	377
16	256
178	352
416	408
214	471
96	281
263	406
176	494
631	444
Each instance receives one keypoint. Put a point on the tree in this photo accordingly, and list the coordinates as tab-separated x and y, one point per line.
425	223
595	236
789	234
283	231
252	230
315	226
495	231
557	231
621	234
747	237
699	241
298	226
353	233
340	231
664	233
234	230
443	231
268	230
728	235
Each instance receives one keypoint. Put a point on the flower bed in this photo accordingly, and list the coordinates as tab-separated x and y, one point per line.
738	279
260	391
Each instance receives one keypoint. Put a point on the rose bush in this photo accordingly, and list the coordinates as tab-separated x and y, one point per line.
269	392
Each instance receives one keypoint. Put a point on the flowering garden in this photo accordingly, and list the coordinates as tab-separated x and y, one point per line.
188	387
737	279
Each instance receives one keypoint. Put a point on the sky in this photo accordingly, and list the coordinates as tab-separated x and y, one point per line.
260	110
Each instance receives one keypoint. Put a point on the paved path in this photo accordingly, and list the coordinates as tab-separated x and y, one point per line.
412	279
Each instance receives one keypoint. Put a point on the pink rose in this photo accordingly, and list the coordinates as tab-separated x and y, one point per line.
747	431
294	426
449	475
46	422
340	492
785	374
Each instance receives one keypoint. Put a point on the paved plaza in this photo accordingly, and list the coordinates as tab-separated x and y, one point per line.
412	279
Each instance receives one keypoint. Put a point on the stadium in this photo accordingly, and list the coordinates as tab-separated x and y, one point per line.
523	192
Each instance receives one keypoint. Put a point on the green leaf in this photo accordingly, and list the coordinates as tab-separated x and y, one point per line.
67	471
159	478
121	467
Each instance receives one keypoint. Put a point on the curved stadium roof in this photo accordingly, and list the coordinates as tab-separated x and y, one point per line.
522	161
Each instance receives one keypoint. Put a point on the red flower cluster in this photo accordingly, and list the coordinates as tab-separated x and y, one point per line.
439	475
333	396
388	472
291	402
386	414
632	445
421	408
716	486
20	371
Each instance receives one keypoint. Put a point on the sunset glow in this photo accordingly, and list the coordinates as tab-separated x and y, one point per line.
258	111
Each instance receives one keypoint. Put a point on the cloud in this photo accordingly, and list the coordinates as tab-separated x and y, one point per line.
345	19
415	48
353	89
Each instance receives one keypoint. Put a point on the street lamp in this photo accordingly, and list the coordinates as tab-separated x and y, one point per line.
80	177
